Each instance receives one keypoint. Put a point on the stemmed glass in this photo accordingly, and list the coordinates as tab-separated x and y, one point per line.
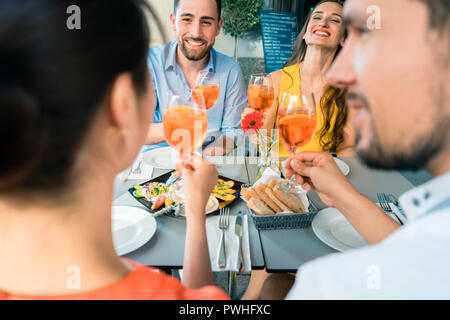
296	123
185	124
260	92
207	86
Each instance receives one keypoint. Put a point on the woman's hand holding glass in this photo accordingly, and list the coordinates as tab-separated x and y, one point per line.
185	124
198	180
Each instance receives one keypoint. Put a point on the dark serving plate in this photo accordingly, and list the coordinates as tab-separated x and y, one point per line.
164	177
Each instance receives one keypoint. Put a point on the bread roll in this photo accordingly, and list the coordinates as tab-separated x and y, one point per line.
252	194
260	190
244	194
263	185
272	183
273	197
259	207
290	200
268	201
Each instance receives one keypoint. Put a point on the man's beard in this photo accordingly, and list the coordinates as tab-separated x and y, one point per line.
398	157
194	56
427	145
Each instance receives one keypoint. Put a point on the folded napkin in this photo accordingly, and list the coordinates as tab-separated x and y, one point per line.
132	173
270	174
231	244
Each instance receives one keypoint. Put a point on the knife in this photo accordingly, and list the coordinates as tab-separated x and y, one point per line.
238	231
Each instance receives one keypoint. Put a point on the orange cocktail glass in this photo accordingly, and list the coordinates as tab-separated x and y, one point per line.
207	86
185	124
296	129
185	128
260	92
209	92
260	98
296	122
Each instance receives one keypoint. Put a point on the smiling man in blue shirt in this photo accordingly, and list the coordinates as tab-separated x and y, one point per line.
177	64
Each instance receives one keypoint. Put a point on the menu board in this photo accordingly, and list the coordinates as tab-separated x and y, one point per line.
279	31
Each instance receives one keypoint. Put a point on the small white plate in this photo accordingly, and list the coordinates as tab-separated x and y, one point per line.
345	169
332	228
163	158
211	206
132	227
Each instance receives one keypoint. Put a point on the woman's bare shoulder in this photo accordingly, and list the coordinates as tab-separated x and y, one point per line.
276	74
276	78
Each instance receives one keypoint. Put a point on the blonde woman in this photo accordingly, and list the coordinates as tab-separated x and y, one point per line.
315	49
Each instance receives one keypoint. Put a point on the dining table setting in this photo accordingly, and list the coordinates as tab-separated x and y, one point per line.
164	248
255	217
160	243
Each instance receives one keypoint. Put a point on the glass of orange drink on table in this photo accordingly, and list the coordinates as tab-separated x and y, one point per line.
260	92
208	87
185	123
296	122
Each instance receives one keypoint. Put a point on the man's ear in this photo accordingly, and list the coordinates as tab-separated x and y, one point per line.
122	101
220	24
173	20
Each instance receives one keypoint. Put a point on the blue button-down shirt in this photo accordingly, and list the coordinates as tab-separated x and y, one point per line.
224	118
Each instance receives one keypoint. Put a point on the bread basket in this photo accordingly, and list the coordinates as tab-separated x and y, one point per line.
284	220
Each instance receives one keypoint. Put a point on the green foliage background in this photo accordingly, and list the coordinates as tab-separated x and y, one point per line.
240	16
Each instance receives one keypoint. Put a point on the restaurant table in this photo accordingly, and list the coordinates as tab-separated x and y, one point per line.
165	249
286	250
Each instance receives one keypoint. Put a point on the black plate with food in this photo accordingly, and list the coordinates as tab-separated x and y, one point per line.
155	196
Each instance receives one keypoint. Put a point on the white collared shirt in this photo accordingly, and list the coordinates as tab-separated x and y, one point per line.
412	263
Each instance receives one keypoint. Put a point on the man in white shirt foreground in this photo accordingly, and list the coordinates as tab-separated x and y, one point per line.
395	65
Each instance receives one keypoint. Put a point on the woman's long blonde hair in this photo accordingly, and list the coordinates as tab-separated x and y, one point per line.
331	95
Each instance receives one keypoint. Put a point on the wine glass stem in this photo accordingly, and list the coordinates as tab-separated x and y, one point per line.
186	158
292	180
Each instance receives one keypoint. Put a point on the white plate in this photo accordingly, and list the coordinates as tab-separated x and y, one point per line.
345	169
132	227
332	228
211	206
163	158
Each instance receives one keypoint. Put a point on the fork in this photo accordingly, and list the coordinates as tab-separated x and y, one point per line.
224	222
394	200
138	169
384	204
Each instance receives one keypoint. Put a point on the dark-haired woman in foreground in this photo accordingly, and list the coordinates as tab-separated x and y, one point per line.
74	111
